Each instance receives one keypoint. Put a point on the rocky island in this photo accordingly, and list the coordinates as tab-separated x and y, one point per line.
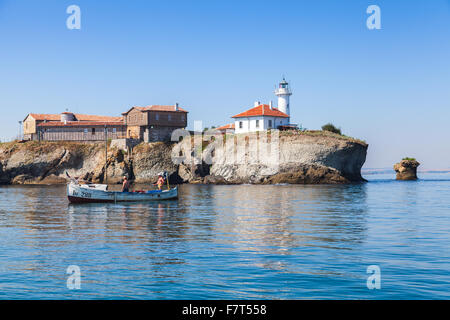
312	157
406	169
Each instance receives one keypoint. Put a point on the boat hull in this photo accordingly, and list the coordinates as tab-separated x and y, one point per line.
86	194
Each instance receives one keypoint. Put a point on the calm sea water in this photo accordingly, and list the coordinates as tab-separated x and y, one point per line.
232	242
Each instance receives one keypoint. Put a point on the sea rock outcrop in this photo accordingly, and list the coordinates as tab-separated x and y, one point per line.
297	158
406	169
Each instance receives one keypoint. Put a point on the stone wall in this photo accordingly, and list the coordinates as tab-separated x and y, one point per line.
124	144
158	133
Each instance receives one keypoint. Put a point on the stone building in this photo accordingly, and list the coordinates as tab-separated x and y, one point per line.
148	124
35	126
81	131
155	122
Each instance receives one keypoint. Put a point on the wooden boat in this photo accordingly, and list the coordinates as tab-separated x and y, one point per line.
98	193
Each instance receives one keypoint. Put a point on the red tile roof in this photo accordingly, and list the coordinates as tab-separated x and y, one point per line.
48	117
157	108
80	117
262	110
229	126
85	117
80	124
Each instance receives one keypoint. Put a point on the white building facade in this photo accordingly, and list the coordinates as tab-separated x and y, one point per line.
264	116
258	123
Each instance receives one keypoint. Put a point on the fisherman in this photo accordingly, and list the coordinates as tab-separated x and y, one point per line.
126	184
160	181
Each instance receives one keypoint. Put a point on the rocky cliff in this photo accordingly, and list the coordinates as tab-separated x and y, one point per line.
303	158
313	157
47	162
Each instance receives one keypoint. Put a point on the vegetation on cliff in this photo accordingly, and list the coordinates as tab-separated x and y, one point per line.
321	133
331	128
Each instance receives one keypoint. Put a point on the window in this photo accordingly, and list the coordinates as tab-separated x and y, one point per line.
257	123
169	117
270	123
86	130
157	116
183	117
114	130
240	124
93	130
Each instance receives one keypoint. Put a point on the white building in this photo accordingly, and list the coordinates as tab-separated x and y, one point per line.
264	116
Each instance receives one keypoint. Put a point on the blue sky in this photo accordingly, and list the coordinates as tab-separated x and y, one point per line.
390	87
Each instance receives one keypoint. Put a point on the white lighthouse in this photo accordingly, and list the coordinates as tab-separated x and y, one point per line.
283	92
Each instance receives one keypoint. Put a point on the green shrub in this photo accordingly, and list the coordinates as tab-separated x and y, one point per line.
330	127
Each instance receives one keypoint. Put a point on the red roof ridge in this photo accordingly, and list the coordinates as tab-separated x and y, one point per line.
227	126
42	116
262	110
157	107
80	117
80	123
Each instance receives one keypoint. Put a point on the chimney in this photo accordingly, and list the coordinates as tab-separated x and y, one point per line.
271	105
257	103
176	106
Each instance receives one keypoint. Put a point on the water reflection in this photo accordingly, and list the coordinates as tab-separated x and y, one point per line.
284	217
271	220
220	241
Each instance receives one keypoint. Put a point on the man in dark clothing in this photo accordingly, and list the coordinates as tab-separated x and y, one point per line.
125	185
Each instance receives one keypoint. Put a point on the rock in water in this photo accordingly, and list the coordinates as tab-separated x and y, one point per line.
406	169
